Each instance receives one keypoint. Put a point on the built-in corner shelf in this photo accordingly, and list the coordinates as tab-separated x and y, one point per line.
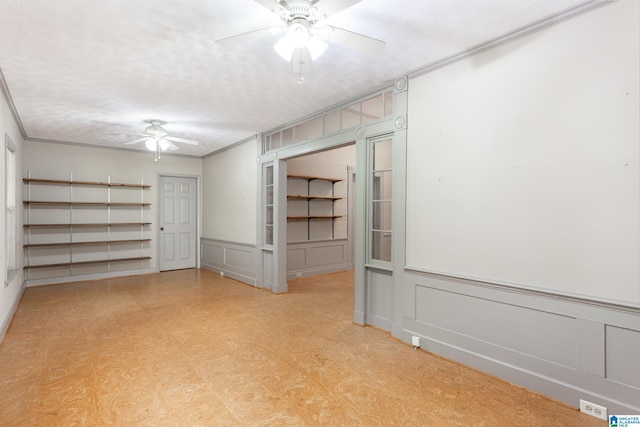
77	224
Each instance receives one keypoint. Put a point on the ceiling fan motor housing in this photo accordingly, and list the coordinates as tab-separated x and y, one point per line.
156	130
301	9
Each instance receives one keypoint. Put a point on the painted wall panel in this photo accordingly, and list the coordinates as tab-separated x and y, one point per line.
551	344
229	188
234	260
320	255
213	254
623	356
317	257
296	259
548	336
380	292
522	161
240	259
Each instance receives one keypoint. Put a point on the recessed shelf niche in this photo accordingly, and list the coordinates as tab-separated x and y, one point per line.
316	208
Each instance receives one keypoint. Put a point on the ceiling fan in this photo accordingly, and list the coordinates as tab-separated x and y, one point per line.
306	36
157	139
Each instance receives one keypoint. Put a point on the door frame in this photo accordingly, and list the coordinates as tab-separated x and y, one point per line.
396	127
198	179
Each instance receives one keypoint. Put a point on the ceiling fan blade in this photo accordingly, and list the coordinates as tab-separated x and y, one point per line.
352	40
274	6
331	7
250	36
182	140
135	141
172	146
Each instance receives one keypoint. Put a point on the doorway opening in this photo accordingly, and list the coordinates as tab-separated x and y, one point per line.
321	214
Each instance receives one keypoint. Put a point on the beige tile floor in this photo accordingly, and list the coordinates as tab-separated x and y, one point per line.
190	348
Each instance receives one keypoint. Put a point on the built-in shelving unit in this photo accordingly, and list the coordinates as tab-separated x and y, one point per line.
84	227
312	200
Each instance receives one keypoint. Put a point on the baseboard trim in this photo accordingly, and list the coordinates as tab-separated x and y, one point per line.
565	348
85	277
14	307
545	385
230	274
318	270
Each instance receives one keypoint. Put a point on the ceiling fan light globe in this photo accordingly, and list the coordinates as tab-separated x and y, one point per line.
150	144
164	144
316	47
284	49
298	35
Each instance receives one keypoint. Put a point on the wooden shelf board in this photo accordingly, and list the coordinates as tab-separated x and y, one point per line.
302	217
305	197
46	245
39	202
103	224
69	264
66	182
315	177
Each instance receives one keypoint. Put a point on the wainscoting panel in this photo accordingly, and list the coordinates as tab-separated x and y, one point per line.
619	366
267	269
233	259
564	347
554	339
317	257
380	298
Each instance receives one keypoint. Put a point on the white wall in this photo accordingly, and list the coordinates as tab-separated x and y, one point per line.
229	193
63	161
523	161
9	293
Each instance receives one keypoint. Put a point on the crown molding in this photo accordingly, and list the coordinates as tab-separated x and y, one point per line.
9	100
105	147
514	35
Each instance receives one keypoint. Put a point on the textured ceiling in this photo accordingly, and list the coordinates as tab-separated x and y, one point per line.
91	71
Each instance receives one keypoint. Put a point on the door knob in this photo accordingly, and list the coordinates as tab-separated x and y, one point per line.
161	228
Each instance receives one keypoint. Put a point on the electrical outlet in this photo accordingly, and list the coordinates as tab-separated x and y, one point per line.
415	341
298	274
593	410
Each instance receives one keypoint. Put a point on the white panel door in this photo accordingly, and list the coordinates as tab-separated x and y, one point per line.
177	223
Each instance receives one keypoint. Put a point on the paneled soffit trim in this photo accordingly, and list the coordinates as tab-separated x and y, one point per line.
341	104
